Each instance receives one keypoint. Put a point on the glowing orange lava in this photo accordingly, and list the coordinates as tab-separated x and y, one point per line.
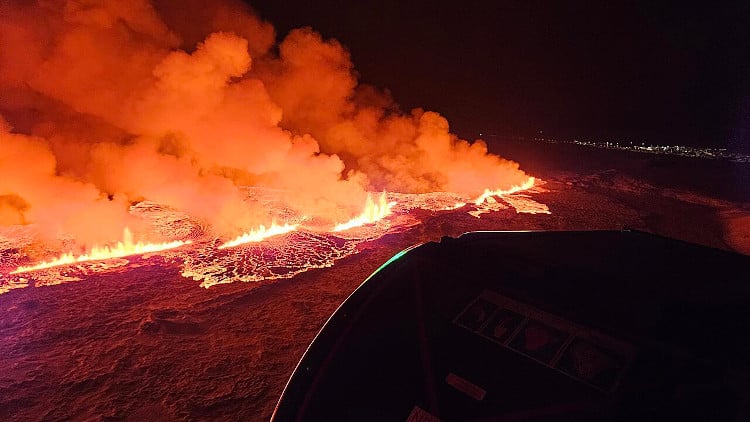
124	248
259	234
455	206
528	184
372	213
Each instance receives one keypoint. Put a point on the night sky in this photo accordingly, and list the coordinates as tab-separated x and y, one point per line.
636	71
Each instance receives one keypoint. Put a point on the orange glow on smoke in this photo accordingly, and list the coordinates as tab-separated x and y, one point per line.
528	184
195	102
259	234
373	212
124	248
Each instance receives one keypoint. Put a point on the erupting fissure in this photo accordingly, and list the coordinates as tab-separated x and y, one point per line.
260	234
194	102
124	248
313	246
500	192
373	212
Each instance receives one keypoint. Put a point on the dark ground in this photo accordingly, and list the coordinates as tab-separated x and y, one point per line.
146	343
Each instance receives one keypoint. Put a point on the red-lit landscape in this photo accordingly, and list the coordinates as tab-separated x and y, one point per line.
107	107
205	258
181	208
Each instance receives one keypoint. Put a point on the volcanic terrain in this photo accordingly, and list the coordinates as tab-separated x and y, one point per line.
186	195
139	337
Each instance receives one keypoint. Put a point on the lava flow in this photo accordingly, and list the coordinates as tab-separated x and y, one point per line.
373	212
259	234
528	184
124	248
218	127
251	257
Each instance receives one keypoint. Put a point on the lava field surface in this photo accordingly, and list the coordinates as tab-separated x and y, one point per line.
203	333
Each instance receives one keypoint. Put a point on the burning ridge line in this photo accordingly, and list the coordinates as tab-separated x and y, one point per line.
373	212
528	184
121	249
259	234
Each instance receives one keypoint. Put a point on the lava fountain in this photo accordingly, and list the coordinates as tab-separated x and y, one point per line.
374	211
528	184
260	234
121	249
188	117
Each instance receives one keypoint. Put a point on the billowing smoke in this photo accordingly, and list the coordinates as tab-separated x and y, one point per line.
105	103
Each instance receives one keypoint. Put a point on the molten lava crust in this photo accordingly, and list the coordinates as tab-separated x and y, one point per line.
535	326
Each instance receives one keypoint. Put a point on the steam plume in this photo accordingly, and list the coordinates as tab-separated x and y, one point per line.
105	103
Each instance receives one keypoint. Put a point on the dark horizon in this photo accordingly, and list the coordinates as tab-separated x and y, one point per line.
634	71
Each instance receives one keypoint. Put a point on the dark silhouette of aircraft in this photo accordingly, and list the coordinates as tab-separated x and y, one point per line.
541	326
